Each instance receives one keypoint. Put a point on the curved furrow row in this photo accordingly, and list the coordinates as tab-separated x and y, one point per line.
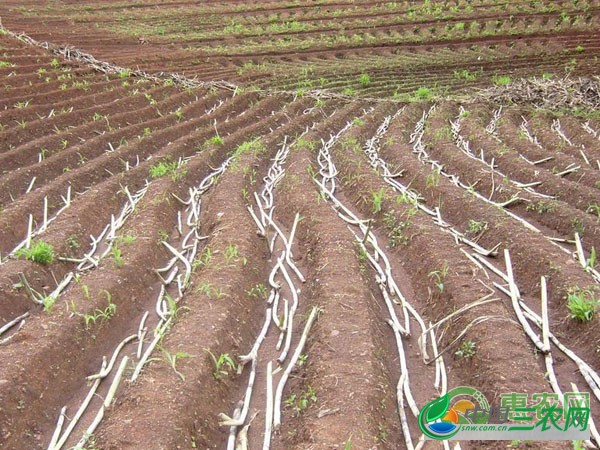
515	134
439	272
134	128
563	275
569	192
34	97
551	135
159	144
45	136
67	235
519	305
500	191
125	284
231	267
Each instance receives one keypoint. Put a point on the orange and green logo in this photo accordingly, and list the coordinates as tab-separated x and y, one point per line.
465	414
441	418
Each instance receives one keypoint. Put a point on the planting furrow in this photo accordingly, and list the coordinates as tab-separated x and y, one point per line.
15	184
27	117
70	232
440	272
568	129
174	284
569	192
188	134
345	372
128	288
514	133
231	253
521	203
529	318
46	135
551	135
53	94
525	246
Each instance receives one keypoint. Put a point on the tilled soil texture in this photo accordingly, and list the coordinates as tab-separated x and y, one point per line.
189	265
365	48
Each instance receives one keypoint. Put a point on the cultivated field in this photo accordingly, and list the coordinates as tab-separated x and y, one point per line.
291	225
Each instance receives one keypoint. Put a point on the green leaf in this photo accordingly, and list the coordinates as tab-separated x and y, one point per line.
437	408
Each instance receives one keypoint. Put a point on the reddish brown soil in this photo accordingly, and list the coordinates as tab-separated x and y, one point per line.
67	125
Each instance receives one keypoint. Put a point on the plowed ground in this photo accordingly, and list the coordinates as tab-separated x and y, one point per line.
261	269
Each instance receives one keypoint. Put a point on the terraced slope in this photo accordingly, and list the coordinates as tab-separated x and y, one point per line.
263	270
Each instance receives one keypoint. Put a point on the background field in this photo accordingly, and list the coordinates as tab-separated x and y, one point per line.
217	206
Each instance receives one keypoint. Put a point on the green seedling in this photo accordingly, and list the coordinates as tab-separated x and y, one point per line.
231	252
204	259
125	73
377	200
72	242
502	80
348	444
439	276
40	252
466	350
223	365
22	104
172	360
476	227
590	262
48	302
422	94
210	291
594	209
179	114
433	179
364	80
301	402
117	255
258	291
163	168
540	207
582	304
101	315
215	140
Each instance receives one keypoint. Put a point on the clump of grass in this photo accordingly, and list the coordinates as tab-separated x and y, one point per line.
40	252
465	74
423	94
171	168
476	227
215	140
502	80
364	79
582	304
466	350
